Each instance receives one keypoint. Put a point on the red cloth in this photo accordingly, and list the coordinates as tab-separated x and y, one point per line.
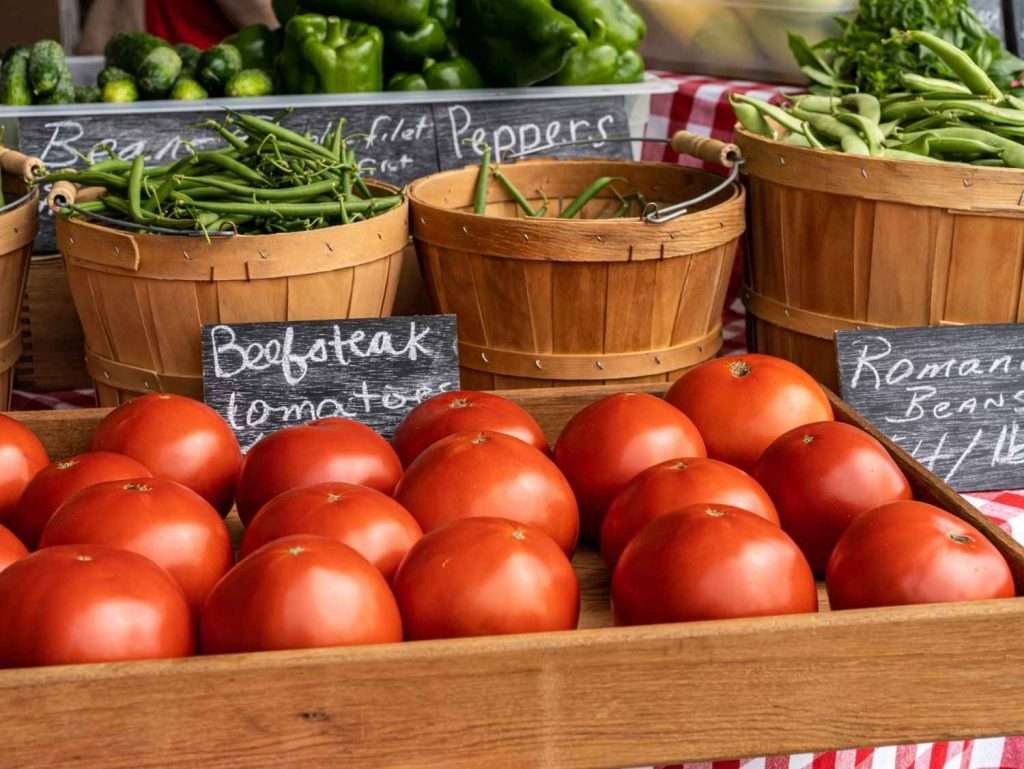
199	22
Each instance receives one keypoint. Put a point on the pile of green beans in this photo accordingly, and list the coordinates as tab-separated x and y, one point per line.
267	179
967	120
488	170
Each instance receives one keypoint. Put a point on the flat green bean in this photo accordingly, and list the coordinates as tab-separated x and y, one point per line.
963	66
865	105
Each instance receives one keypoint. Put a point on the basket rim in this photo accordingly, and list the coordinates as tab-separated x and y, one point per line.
919	183
32	194
729	195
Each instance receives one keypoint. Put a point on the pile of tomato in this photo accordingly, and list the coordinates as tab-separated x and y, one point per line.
726	499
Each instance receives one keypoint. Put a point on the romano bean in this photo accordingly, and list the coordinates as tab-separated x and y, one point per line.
869	129
963	66
864	104
751	119
922	84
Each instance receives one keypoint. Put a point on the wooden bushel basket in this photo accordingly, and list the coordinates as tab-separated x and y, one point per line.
19	220
143	297
843	242
547	302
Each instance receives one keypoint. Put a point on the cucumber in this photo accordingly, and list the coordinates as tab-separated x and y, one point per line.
189	58
158	71
64	92
188	89
249	82
46	63
87	94
16	90
217	66
109	74
120	91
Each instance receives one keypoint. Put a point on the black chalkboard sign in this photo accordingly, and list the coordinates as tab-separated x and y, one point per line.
952	396
395	143
262	377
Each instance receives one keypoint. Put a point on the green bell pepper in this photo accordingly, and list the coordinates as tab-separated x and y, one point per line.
407	81
518	42
428	41
403	14
456	73
623	27
330	55
597	62
258	45
445	12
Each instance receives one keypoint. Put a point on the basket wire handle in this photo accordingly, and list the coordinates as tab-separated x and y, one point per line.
685	143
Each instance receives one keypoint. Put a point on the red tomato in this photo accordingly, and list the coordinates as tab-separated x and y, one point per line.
371	523
610	442
486	576
89	603
160	519
911	552
11	548
710	562
464	412
473	475
821	477
672	485
296	593
328	450
56	482
179	439
21	457
741	404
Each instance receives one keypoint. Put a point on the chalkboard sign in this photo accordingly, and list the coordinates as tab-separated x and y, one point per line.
262	377
952	396
395	143
991	14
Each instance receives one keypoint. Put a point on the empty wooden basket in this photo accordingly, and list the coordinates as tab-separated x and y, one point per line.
843	242
142	298
548	301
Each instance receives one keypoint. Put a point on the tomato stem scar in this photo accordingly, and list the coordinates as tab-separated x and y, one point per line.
961	539
739	368
519	534
136	486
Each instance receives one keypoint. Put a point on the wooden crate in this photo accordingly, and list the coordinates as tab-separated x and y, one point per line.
596	698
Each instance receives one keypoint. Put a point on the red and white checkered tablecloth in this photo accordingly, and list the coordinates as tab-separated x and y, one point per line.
700	106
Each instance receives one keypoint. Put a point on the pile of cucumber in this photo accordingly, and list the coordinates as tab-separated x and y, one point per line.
142	66
39	74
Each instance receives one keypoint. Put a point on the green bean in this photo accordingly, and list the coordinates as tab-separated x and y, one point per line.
923	84
587	195
968	147
87	207
338	140
963	66
1011	152
897	97
796	140
808	133
938	120
512	190
864	104
826	105
832	128
287	193
989	162
87	178
1015	101
751	119
887	129
299	209
265	127
890	154
230	137
869	129
777	114
230	164
135	189
480	192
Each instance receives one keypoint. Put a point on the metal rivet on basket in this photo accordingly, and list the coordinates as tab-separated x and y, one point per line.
600	238
117	251
380	236
700	348
525	236
262	253
145	383
188	256
71	241
537	364
599	364
483	357
967	182
423	220
786	313
657	359
106	375
16	230
782	161
329	247
465	229
864	172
